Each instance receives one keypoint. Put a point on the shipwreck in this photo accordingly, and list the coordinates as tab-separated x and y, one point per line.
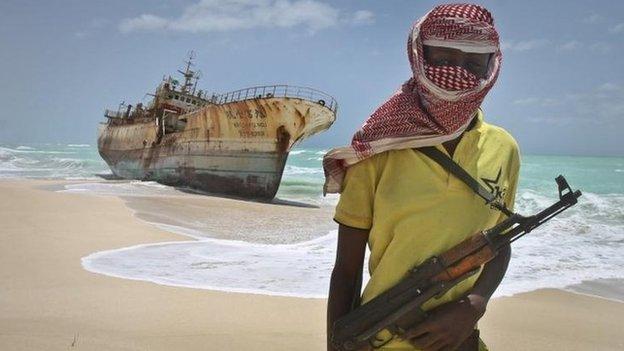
235	143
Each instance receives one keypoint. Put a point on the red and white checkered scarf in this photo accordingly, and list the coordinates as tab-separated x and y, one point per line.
435	105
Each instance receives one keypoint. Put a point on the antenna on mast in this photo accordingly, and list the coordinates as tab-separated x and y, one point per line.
198	75
190	76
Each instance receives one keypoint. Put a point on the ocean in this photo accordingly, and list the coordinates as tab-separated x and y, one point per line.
584	243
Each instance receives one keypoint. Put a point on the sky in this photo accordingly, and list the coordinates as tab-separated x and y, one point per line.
561	88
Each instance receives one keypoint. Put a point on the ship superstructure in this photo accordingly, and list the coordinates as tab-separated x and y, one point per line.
235	143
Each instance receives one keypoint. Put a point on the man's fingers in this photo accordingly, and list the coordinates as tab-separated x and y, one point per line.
440	345
425	341
452	346
419	330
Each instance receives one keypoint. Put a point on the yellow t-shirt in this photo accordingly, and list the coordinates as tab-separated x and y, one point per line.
415	209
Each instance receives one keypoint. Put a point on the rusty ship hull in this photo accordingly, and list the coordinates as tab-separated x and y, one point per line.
234	146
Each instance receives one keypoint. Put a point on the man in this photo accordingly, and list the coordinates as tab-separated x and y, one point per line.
407	207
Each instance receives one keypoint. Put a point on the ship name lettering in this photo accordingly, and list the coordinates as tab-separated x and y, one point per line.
246	114
247	124
259	114
251	133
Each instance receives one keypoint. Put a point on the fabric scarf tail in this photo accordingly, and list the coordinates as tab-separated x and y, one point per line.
336	161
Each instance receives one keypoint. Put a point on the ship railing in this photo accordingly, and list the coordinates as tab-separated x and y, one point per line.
269	91
112	114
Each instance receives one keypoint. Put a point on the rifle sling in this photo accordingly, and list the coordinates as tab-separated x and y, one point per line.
451	166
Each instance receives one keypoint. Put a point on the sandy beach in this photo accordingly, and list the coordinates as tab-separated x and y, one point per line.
49	302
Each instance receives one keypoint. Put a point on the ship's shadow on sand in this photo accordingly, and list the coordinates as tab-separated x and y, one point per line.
187	190
274	201
108	176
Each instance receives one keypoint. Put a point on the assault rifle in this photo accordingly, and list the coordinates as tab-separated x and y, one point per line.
399	308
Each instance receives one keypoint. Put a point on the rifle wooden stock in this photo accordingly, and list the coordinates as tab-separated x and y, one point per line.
466	256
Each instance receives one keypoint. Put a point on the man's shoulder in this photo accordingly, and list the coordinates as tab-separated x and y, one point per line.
384	162
370	165
496	136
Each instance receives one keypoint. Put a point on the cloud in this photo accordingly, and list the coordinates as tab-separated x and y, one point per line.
610	87
593	18
618	28
570	45
524	45
145	22
548	119
602	104
226	15
600	47
537	101
362	17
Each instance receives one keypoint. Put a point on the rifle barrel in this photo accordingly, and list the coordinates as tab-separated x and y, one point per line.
525	225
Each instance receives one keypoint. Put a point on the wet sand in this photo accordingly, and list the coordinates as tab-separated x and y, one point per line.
234	219
49	302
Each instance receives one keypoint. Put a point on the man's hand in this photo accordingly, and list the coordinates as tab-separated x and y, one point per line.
448	325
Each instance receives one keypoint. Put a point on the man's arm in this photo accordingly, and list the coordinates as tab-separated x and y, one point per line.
490	278
346	274
450	324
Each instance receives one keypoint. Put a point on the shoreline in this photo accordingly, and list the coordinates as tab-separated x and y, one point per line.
607	288
89	268
182	216
49	300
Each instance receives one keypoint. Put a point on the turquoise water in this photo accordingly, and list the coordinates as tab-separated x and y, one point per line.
303	175
51	161
584	243
599	175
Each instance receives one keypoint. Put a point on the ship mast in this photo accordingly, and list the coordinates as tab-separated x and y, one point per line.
190	77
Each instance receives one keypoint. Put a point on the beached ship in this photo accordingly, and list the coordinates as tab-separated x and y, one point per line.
235	143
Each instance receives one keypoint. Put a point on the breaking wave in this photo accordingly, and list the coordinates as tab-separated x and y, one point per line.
50	162
583	243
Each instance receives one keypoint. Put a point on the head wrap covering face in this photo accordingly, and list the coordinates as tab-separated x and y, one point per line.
438	102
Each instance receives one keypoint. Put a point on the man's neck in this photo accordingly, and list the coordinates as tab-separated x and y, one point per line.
451	145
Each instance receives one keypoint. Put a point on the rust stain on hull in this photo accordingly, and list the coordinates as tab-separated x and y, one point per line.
236	148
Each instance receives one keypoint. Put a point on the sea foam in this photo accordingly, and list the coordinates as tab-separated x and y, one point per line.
287	270
569	249
583	243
